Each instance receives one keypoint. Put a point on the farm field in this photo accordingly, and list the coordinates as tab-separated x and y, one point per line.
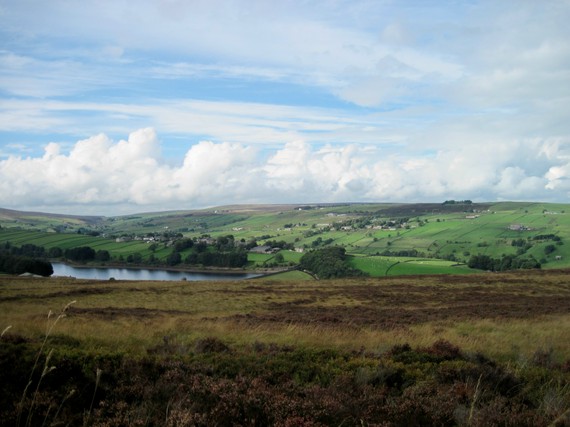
479	350
450	233
378	266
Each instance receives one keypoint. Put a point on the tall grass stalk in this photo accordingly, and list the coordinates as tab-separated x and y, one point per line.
71	393
5	330
49	329
47	369
475	397
98	377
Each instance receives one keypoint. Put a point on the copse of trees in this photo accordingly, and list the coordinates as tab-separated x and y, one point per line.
223	252
80	254
328	263
15	264
506	262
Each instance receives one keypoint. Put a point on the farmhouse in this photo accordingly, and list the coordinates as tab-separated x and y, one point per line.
263	250
207	240
518	227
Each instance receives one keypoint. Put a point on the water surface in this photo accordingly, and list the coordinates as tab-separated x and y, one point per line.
119	273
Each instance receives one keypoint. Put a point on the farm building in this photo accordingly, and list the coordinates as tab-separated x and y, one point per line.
263	250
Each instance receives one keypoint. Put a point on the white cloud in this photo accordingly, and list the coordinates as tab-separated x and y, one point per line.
559	179
240	122
100	172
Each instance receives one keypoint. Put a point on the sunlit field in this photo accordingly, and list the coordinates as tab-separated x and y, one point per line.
477	350
510	315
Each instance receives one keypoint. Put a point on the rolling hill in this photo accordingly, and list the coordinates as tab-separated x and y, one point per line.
382	238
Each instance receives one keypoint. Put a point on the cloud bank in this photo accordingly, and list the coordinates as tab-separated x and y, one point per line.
131	175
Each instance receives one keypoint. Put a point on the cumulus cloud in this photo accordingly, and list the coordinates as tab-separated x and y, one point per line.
101	172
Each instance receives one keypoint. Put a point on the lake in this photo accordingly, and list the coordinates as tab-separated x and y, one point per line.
105	273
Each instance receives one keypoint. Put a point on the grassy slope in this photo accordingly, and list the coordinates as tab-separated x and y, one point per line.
442	233
378	266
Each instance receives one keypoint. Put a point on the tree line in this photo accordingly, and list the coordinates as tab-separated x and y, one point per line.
506	262
14	260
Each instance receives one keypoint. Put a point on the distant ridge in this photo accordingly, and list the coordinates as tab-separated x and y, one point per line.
389	208
25	215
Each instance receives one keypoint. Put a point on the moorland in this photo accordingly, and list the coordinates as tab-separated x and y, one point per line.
446	350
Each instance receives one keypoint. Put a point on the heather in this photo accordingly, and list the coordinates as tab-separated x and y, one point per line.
472	350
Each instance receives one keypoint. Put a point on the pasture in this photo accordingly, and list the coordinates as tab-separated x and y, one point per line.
378	266
435	231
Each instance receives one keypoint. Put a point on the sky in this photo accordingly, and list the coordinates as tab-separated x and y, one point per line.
111	107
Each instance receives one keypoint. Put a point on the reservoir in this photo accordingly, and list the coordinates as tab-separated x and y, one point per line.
120	273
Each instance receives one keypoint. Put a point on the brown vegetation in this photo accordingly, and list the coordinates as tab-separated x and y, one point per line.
434	350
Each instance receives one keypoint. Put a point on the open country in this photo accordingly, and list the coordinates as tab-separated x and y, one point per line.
284	213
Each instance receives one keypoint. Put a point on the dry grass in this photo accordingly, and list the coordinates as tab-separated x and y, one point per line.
504	315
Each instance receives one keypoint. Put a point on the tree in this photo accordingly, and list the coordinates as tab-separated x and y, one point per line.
183	244
55	252
135	258
481	262
102	255
174	258
80	254
225	243
548	249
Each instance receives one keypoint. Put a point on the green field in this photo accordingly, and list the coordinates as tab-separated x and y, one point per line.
378	266
434	231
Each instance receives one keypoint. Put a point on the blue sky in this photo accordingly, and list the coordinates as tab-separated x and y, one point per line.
109	107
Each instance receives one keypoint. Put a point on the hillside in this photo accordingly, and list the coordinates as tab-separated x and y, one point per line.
382	239
46	221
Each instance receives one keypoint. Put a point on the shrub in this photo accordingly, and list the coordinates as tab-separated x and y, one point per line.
444	350
210	345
